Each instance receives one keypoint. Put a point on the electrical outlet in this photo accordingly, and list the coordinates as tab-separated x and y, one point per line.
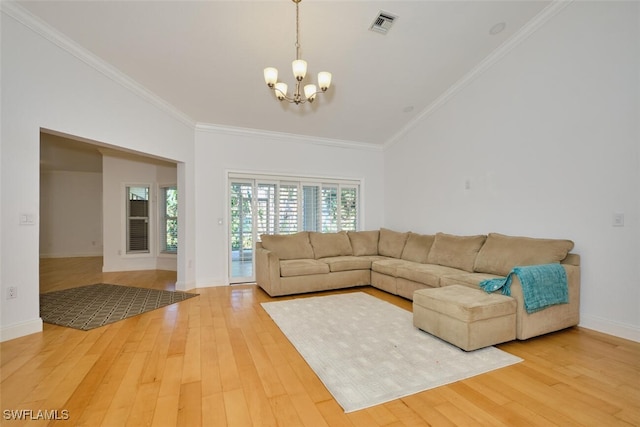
12	292
618	219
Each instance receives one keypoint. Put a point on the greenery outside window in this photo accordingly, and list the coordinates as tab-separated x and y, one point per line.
269	204
169	219
288	206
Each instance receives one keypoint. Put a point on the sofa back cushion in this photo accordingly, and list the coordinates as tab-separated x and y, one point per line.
501	253
391	243
364	242
288	246
455	251
417	247
330	244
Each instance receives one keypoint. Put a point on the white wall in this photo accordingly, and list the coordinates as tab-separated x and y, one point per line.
70	214
219	152
548	138
46	86
165	175
117	174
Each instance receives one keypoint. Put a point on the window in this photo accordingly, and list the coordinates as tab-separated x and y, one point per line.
327	207
267	204
330	209
168	219
348	208
311	207
241	220
287	206
290	205
265	209
138	219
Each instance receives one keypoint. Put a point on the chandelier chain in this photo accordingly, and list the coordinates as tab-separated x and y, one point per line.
297	31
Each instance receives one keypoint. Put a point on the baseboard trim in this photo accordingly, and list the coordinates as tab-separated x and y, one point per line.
21	329
72	255
185	286
620	330
209	283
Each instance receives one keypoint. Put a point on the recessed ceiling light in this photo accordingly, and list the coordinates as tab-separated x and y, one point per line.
498	28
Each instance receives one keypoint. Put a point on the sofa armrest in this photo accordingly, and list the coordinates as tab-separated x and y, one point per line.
551	318
267	270
571	259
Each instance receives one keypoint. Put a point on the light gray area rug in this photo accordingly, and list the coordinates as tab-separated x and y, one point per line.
366	351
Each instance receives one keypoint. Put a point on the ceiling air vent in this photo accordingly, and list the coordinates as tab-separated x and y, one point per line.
383	22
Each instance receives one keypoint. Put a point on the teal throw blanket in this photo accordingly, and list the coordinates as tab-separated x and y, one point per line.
542	285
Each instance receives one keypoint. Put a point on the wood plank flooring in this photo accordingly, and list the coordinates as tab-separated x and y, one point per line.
219	360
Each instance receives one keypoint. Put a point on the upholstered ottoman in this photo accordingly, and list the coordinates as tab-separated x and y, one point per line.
466	317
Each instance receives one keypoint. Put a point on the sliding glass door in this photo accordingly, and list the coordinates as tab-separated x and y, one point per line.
241	232
274	205
253	212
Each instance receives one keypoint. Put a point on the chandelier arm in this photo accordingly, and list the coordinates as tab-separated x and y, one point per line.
298	97
293	101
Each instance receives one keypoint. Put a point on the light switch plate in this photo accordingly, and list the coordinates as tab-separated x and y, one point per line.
27	219
618	219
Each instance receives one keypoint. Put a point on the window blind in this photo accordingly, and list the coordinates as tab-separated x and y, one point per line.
137	219
285	205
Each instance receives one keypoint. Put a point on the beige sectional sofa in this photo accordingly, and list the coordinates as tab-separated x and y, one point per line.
403	262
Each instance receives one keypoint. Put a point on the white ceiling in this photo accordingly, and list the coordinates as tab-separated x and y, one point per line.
61	153
205	58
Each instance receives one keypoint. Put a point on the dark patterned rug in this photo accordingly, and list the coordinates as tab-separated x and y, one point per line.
92	306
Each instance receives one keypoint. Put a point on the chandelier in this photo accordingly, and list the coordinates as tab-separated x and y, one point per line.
299	67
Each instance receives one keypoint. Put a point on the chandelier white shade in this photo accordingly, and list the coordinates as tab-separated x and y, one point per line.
299	68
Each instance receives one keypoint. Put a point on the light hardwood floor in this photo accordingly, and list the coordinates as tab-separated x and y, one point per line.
219	360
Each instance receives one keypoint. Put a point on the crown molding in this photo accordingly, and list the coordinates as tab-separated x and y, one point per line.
41	28
555	7
23	16
282	136
32	22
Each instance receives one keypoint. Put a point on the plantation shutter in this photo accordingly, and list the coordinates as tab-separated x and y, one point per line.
311	208
286	205
137	219
266	208
329	209
288	208
348	208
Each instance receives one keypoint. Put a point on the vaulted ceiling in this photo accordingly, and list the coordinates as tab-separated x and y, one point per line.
206	58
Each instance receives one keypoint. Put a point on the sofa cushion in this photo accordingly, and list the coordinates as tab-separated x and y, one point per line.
501	253
388	266
288	246
417	247
391	243
330	244
455	251
364	242
471	280
427	274
347	263
302	267
459	302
